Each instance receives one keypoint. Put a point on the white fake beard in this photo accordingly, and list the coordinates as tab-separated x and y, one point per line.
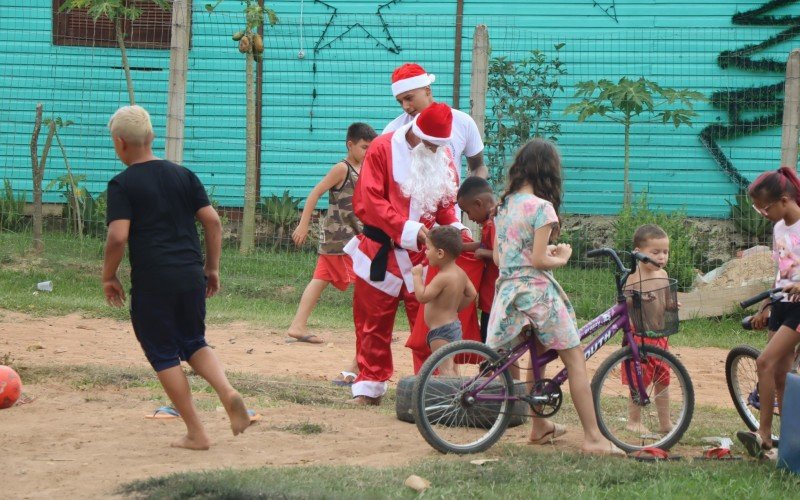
430	182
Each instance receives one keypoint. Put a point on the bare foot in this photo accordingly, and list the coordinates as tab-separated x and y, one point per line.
637	428
604	447
237	413
667	429
197	443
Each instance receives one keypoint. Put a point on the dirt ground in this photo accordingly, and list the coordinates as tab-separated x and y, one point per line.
70	443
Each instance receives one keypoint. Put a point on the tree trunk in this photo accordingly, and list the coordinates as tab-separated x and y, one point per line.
125	66
74	200
249	216
628	195
37	174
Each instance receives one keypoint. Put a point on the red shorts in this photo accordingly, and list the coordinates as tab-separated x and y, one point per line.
654	368
335	269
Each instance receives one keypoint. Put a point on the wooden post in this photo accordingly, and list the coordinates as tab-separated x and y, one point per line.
178	63
457	54
480	76
791	111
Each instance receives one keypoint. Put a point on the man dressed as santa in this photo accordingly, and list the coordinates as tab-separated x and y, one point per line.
407	184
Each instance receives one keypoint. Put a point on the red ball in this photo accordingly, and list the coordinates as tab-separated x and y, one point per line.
10	387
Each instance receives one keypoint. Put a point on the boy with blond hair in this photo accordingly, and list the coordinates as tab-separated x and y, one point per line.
152	207
449	291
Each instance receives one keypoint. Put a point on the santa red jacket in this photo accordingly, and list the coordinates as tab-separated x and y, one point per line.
378	201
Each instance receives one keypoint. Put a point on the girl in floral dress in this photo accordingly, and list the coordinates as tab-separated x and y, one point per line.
526	224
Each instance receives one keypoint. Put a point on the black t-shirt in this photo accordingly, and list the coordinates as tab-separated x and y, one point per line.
160	199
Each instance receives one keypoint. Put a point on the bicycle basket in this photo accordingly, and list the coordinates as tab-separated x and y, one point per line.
653	306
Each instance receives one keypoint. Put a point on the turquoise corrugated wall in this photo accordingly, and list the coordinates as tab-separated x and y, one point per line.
309	101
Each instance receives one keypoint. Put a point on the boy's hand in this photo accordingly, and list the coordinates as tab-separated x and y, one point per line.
212	283
417	270
115	295
300	233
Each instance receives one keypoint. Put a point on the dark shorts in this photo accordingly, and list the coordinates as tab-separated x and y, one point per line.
170	327
450	332
784	314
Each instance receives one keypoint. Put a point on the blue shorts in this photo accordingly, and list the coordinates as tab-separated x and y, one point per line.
450	332
170	327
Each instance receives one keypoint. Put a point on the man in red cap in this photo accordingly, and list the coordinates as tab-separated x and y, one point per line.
411	86
407	185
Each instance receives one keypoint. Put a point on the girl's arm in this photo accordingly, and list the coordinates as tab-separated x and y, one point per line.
334	177
545	256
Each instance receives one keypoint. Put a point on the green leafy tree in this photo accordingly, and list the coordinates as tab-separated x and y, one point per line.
117	12
522	95
252	46
630	102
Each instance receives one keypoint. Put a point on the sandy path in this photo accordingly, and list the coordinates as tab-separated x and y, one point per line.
71	443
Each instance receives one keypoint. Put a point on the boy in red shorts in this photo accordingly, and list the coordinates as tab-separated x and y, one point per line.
653	242
339	227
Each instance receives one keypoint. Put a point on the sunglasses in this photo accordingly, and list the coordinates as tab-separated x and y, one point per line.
762	211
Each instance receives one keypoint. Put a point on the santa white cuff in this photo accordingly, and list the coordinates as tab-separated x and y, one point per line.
439	141
462	227
408	239
415	82
369	388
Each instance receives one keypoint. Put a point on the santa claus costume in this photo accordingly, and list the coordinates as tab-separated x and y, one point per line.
394	199
465	139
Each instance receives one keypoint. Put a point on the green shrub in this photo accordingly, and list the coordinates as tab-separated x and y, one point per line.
12	208
687	246
749	223
282	212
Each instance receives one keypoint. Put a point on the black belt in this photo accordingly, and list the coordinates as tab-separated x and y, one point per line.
377	269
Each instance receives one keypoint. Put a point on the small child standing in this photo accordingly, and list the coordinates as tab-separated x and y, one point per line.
527	223
448	292
653	242
475	197
776	196
339	227
152	207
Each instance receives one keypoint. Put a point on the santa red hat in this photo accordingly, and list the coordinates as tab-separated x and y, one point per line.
410	76
434	124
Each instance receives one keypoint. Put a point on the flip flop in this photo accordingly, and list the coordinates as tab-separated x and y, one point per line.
305	338
164	413
345	379
752	442
254	417
548	437
718	454
649	454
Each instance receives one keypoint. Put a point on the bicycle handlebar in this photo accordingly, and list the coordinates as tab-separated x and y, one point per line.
613	254
758	298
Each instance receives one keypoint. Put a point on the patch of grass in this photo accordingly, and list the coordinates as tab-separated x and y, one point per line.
519	473
275	390
303	428
266	286
263	287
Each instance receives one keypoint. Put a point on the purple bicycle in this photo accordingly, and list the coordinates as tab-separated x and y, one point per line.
467	412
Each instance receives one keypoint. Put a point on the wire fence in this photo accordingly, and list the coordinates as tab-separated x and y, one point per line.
323	70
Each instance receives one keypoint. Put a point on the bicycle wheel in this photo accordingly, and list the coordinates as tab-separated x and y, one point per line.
449	417
669	388
742	377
